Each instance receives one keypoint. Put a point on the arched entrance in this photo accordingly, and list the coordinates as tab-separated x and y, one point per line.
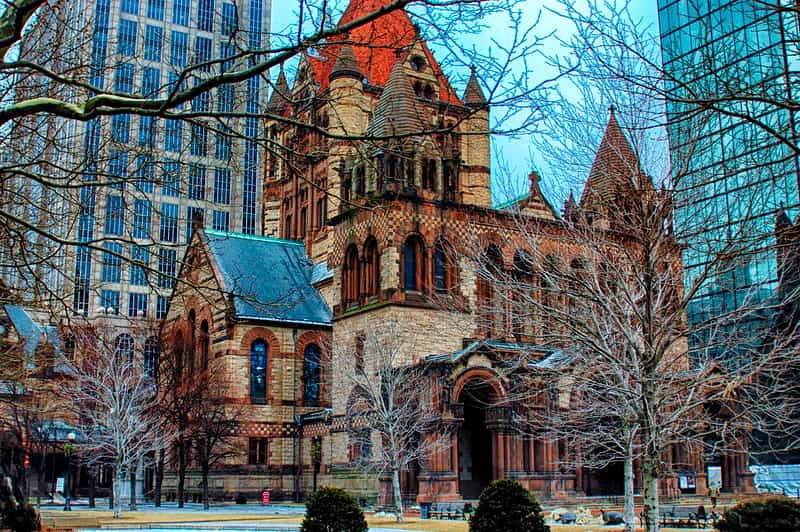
475	440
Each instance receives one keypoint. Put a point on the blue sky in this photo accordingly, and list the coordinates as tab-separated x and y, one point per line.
513	154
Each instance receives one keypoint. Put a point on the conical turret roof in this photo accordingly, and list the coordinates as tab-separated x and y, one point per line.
473	94
615	164
396	112
280	98
346	64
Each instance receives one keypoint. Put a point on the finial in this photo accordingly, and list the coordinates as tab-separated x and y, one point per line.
611	109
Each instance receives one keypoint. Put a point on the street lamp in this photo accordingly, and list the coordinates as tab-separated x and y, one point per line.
68	451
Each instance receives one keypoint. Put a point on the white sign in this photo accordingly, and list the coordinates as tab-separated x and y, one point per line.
60	485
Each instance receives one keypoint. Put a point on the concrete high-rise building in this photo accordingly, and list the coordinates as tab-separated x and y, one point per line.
728	70
138	182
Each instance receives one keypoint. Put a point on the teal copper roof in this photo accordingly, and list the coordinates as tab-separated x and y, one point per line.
269	278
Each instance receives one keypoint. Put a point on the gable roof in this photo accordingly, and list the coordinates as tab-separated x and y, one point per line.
269	278
374	45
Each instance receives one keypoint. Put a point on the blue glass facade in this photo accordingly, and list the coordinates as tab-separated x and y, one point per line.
726	66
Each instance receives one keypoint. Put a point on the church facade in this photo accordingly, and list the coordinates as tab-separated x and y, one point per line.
378	221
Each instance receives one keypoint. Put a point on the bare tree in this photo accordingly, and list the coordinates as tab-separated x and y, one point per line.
215	426
388	412
117	402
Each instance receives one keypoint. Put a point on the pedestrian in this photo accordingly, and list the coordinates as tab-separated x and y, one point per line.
713	493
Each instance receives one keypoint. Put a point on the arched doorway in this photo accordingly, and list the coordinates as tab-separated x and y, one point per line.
475	440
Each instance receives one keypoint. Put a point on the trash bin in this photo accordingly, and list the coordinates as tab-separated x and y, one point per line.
265	496
425	510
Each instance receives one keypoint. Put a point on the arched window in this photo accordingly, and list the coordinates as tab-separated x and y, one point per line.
123	347
523	317
152	353
444	271
258	371
204	344
414	264
372	270
192	341
551	297
577	282
491	308
178	348
311	375
350	275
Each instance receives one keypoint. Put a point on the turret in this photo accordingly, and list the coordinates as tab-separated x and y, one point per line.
475	149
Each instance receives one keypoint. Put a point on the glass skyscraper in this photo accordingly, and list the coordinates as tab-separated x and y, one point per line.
728	68
143	180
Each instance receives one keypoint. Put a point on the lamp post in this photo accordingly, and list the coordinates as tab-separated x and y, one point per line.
68	451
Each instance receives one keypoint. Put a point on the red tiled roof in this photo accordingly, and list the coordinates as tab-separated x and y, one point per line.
374	45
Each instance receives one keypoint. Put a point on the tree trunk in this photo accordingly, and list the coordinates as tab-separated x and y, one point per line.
119	480
132	479
630	512
181	472
206	506
92	482
396	495
159	478
650	480
112	494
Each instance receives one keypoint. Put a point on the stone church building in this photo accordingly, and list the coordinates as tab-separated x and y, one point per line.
377	222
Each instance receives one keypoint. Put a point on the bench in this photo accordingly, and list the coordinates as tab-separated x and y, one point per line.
451	510
684	517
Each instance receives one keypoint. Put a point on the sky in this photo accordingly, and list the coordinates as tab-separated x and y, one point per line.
514	154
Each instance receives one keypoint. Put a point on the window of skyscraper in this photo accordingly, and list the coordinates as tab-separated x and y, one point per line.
222	185
123	80
130	6
145	173
121	128
173	135
141	263
202	53
142	218
198	140
229	23
109	301
167	266
171	179
117	168
226	49
197	182
151	81
205	15
222	148
115	215
162	303
191	212
180	12
225	98
153	43
126	40
178	46
256	12
221	221
137	305
155	9
148	131
168	231
112	263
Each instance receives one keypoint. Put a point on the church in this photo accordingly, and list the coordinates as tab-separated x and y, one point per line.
372	212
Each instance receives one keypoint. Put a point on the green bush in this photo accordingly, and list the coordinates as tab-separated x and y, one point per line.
771	514
333	510
17	515
508	507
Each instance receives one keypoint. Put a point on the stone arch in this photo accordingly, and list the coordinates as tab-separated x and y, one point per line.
475	375
273	351
305	340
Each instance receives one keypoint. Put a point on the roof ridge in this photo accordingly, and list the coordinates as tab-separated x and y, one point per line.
246	236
